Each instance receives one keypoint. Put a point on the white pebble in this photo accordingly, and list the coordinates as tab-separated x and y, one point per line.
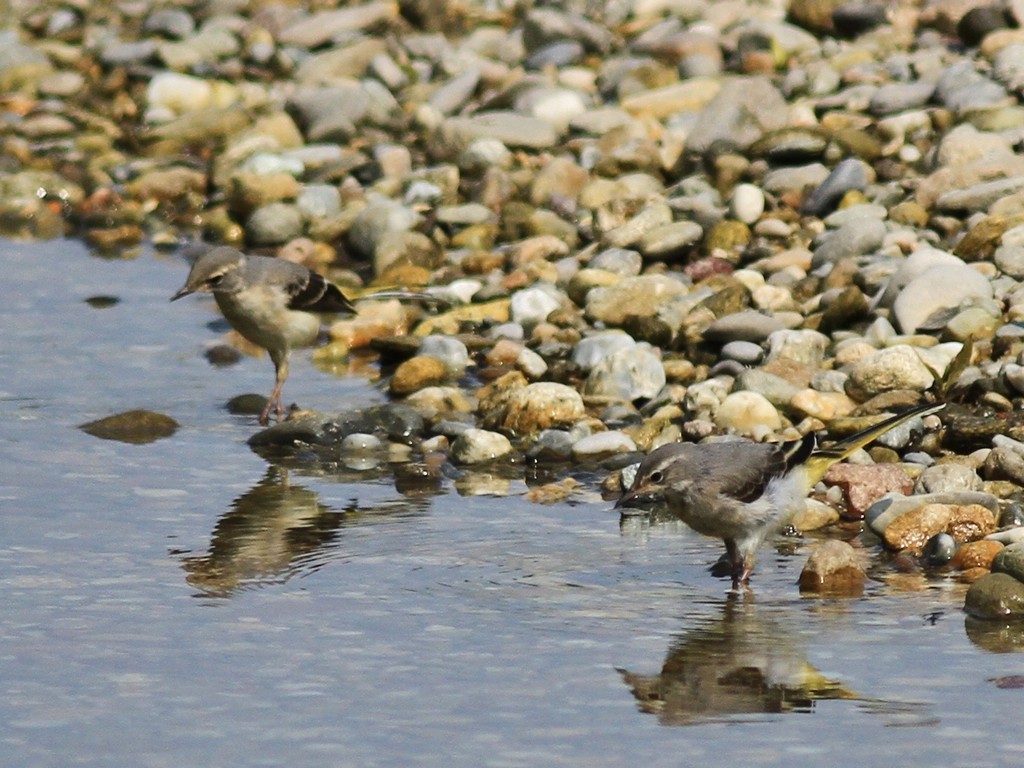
747	203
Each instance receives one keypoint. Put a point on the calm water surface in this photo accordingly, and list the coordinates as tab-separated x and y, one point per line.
185	603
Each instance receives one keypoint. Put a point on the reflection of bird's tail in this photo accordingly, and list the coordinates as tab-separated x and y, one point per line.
818	462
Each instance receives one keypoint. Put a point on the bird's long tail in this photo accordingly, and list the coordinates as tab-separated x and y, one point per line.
402	295
818	463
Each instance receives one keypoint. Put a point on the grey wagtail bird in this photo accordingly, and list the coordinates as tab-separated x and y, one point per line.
741	491
268	301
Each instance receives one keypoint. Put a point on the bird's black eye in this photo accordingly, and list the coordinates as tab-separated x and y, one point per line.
656	477
215	280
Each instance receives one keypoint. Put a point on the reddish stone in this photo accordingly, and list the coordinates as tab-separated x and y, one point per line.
706	267
864	484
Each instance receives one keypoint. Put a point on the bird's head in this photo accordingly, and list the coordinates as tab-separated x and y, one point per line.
663	472
215	270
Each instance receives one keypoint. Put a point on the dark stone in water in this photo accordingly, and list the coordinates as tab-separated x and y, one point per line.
400	423
223	355
249	404
138	426
939	549
995	596
102	302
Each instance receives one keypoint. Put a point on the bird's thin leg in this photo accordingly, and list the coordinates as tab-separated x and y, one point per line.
740	569
274	403
737	562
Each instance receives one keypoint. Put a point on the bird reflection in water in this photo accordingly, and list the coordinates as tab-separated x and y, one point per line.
740	665
272	532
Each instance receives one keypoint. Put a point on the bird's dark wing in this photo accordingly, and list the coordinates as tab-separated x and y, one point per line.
744	469
311	292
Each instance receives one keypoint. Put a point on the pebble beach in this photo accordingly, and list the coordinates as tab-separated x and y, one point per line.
644	222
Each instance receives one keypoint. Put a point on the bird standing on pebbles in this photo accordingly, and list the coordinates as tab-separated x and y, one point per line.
741	491
267	301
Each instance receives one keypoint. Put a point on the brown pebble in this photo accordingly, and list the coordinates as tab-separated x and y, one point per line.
416	373
976	554
963	522
833	568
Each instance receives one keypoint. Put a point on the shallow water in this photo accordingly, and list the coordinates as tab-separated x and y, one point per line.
183	602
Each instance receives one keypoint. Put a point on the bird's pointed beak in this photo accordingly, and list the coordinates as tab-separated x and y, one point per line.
185	291
639	498
624	500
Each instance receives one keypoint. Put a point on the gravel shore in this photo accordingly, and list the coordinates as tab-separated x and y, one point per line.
652	221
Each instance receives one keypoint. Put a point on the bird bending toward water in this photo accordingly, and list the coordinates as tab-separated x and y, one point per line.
267	301
741	491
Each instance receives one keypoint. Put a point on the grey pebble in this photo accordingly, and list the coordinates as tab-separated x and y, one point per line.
170	22
900	97
1010	260
745	352
601	445
1009	536
1008	66
742	111
855	213
1005	463
380	217
477	446
621	261
805	347
552	445
511	129
855	238
632	373
935	289
449	350
961	87
849	174
942	478
896	367
319	201
531	364
829	381
591	350
455	93
670	239
748	325
513	331
1010	560
559	53
779	181
120	54
274	224
777	390
483	154
533	305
